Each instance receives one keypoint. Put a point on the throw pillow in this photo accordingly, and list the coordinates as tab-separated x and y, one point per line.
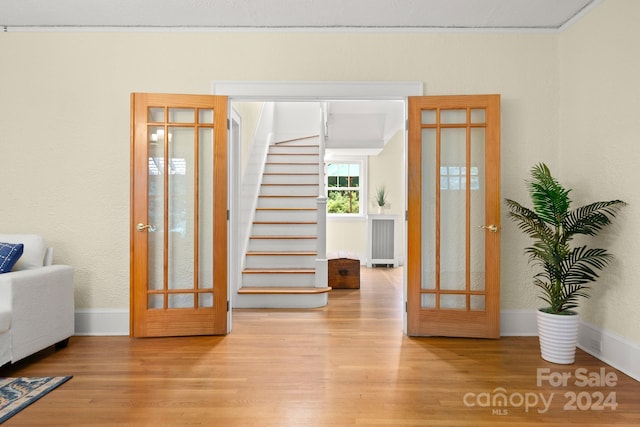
10	253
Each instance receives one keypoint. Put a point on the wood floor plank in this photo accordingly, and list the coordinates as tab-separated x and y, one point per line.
346	364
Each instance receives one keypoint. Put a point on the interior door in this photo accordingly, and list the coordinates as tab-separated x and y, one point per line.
453	228
178	215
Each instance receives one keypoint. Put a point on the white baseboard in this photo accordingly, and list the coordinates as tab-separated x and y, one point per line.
518	323
611	348
102	322
607	346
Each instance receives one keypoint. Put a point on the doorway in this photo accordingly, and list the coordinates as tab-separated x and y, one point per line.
249	95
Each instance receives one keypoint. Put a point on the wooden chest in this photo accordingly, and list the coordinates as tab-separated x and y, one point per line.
344	272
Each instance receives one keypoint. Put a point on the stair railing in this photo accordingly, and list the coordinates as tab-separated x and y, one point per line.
322	270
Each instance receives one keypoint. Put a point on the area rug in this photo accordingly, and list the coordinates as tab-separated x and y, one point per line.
18	393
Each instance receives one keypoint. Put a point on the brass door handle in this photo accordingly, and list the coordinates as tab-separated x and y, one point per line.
492	228
142	227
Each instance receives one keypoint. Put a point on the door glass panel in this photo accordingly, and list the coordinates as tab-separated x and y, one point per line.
205	116
180	168
453	221
477	302
155	216
453	116
156	301
181	115
429	117
181	301
429	182
456	302
205	300
428	301
156	114
205	208
477	209
478	115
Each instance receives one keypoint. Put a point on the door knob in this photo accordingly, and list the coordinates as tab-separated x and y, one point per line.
492	228
142	227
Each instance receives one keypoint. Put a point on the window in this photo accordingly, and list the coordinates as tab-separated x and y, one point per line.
346	193
455	178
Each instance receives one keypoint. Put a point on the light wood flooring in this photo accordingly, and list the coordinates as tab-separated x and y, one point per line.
346	364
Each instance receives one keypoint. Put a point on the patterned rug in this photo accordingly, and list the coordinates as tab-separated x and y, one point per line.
18	393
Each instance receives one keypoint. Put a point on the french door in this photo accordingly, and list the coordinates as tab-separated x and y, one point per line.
453	228
178	215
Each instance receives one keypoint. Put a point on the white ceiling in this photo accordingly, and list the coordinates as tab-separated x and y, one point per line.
16	15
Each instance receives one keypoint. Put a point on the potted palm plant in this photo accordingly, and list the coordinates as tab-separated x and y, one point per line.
566	269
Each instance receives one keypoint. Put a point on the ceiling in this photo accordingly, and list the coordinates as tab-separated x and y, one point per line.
543	15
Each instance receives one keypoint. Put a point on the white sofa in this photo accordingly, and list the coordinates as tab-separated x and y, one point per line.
36	301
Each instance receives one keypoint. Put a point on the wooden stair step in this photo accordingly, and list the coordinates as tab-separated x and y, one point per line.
286	209
288	184
281	253
279	271
289	196
280	290
285	222
291	173
280	237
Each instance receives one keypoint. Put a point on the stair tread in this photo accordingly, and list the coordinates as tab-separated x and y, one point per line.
281	290
285	222
294	196
282	237
290	184
291	173
279	271
283	253
286	209
291	163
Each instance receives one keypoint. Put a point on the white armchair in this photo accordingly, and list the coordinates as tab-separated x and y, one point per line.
36	301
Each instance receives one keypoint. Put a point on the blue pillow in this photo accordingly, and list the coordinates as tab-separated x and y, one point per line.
10	253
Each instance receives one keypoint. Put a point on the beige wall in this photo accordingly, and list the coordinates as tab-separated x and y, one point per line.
64	123
386	168
599	148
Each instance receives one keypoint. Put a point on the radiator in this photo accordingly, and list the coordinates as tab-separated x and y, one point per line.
382	236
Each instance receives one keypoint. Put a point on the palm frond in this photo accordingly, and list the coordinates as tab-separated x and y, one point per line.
564	271
591	218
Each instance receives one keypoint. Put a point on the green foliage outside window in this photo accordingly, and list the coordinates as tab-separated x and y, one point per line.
339	201
343	182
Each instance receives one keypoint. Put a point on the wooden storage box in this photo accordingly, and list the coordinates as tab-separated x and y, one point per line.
344	271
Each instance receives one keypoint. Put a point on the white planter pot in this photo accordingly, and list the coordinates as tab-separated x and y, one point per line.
558	335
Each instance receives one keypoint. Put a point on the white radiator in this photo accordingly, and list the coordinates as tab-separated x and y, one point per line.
381	248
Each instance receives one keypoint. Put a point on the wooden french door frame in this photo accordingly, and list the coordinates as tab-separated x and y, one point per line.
207	312
431	317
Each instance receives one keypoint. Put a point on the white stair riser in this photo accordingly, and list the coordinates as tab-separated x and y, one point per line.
284	229
293	158
283	244
287	202
281	261
269	280
283	215
289	190
291	167
287	179
295	149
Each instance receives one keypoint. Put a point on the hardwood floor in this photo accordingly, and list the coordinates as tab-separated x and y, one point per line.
342	365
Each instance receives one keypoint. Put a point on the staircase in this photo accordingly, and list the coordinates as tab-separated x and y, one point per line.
280	263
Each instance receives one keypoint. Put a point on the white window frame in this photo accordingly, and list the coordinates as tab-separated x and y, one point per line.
363	180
